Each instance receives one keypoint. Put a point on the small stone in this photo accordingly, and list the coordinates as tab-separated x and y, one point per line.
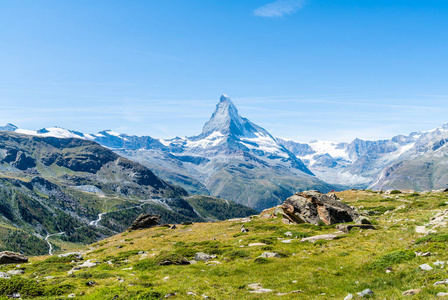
4	275
120	280
77	255
166	278
191	294
173	227
16	272
15	296
312	239
411	292
422	254
170	295
257	244
439	263
348	297
254	286
88	264
71	296
261	291
201	256
286	241
90	283
289	233
49	277
366	292
269	254
441	282
425	267
363	220
442	294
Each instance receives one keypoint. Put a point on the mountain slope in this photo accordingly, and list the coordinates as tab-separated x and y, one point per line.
424	166
79	190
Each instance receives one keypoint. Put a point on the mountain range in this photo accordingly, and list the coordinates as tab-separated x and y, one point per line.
235	159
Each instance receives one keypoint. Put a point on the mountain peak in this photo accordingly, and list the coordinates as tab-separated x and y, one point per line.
225	119
9	127
224	98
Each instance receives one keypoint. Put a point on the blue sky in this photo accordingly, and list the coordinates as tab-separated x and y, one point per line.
312	69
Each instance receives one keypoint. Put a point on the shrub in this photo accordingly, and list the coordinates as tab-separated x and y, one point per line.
261	260
121	255
432	238
392	258
295	233
266	227
187	252
234	254
240	234
25	287
394	192
268	240
145	265
173	257
378	210
61	260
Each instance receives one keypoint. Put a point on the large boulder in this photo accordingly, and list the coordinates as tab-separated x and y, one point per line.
145	221
314	207
7	257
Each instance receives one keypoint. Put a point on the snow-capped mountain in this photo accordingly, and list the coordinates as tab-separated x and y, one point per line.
383	164
232	158
236	159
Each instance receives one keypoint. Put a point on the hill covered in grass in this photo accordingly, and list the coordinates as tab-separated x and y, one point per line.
134	265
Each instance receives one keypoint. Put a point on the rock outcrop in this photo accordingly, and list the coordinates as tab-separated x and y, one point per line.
145	221
7	257
314	207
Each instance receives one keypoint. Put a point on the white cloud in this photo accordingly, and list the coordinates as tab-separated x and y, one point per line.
279	8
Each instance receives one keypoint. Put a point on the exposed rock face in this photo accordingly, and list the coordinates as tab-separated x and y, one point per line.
7	257
145	221
314	207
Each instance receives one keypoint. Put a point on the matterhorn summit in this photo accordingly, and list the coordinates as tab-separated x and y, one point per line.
227	121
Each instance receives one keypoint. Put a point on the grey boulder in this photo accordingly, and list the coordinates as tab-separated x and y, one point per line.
145	221
314	207
7	257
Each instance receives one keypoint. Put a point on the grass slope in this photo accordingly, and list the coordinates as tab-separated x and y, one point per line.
324	270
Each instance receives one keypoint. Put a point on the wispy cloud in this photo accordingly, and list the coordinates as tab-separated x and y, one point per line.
279	8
